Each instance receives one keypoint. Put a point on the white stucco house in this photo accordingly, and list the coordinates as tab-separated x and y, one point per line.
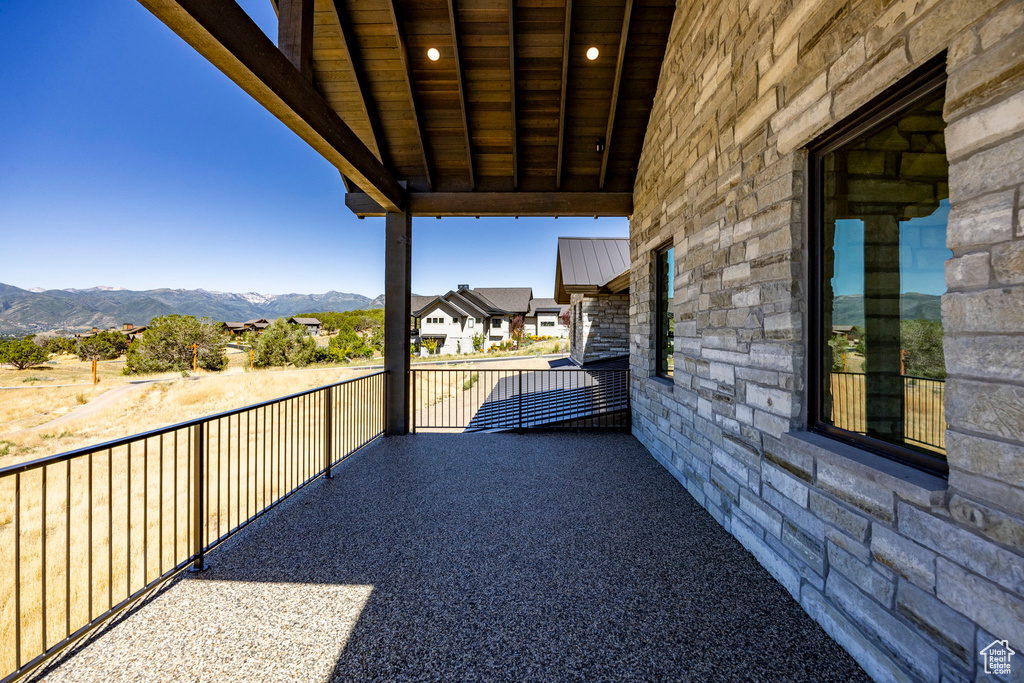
455	318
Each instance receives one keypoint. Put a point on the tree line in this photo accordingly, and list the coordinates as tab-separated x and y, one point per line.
175	342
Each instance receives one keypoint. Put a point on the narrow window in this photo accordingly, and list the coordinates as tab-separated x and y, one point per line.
664	283
496	323
880	204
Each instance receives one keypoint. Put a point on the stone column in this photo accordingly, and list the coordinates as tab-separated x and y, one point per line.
884	380
397	319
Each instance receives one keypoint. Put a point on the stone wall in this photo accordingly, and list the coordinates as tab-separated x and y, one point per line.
913	574
600	327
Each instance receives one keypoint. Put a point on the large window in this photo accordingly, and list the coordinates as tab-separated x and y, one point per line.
664	284
880	197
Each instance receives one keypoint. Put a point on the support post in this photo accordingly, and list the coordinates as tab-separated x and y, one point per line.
328	431
883	380
397	313
198	508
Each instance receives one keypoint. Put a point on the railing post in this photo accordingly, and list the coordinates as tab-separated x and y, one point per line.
328	432
520	401
412	401
198	507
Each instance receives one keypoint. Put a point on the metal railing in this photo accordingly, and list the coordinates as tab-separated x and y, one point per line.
924	413
85	534
486	400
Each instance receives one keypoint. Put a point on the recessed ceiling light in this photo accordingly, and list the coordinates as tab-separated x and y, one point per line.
433	54
592	53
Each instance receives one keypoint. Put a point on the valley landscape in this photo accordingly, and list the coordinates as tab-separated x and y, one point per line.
24	311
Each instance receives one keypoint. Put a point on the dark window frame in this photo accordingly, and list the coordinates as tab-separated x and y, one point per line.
917	86
659	351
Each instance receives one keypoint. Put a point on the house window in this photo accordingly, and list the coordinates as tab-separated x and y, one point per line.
471	322
880	203
664	283
495	323
547	323
479	321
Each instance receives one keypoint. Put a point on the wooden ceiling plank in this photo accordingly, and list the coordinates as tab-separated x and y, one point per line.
566	38
403	54
490	204
619	62
512	91
354	65
295	34
226	36
453	14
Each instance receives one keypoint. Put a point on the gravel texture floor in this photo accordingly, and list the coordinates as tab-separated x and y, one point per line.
543	557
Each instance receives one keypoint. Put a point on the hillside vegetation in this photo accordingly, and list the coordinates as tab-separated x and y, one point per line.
23	312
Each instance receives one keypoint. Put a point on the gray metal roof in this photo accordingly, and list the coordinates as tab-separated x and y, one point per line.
305	321
592	260
543	305
589	264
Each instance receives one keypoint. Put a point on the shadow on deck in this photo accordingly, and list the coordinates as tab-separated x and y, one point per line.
477	557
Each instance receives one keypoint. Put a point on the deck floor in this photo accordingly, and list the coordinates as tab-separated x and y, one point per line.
537	557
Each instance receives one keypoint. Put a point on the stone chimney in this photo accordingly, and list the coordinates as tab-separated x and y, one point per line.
127	326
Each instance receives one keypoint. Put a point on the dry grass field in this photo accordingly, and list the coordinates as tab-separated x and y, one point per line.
925	422
119	518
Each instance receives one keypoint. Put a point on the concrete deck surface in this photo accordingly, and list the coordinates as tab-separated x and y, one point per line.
537	557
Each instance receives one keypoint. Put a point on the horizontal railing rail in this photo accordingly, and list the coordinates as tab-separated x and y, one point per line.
476	399
88	532
924	413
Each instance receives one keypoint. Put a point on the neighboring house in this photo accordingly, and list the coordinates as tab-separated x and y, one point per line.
543	319
257	326
455	318
312	325
848	331
127	329
592	276
234	328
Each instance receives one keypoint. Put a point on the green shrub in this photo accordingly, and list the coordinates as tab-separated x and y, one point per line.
22	354
106	345
168	345
282	344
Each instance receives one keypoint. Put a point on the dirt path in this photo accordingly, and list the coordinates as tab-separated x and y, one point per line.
101	402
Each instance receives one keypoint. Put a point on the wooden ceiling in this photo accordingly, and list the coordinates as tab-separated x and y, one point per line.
512	110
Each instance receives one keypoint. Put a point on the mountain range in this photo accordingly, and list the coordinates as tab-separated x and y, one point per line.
848	309
25	311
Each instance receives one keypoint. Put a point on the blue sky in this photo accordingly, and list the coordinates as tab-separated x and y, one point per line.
128	160
923	254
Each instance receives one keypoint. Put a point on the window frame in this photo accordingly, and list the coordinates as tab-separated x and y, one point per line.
660	313
915	87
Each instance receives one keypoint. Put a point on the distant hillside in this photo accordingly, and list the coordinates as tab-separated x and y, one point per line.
23	311
849	309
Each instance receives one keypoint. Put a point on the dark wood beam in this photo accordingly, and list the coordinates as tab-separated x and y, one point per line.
476	204
224	34
566	40
295	34
453	14
355	64
397	314
615	92
403	55
512	93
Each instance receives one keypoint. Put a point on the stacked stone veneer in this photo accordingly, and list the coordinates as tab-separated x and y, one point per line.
600	327
912	573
